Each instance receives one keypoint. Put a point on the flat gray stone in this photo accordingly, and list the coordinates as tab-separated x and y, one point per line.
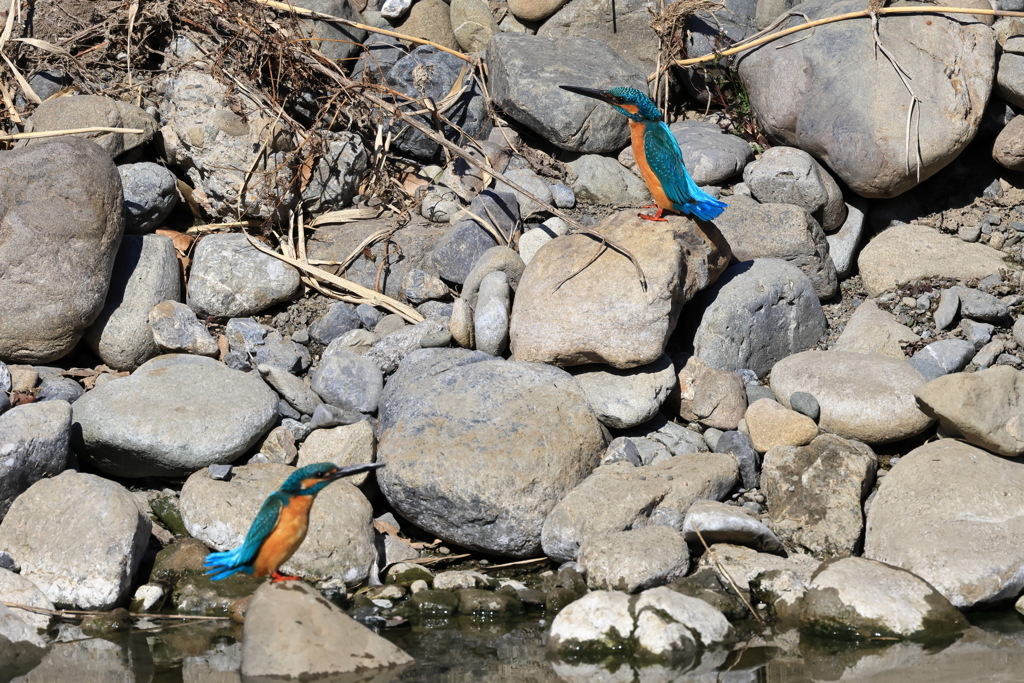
292	631
786	175
907	252
721	523
171	417
626	398
942	357
229	278
621	496
175	328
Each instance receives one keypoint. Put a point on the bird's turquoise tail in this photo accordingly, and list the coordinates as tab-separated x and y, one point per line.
706	208
222	565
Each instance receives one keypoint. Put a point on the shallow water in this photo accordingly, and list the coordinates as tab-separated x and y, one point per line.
464	650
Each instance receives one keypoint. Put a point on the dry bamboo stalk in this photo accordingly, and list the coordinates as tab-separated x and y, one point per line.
372	297
732	583
71	131
86	613
864	14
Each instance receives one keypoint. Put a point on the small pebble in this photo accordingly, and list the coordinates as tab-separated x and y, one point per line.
220	472
805	404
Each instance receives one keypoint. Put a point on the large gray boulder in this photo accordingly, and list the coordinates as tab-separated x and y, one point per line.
146	272
34	444
478	451
173	416
783	231
292	632
968	542
61	221
842	88
52	530
758	313
339	541
602	314
525	72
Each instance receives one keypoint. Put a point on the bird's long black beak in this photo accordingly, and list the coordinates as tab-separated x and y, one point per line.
354	469
589	92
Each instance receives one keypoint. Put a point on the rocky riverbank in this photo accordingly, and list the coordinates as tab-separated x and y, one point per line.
806	413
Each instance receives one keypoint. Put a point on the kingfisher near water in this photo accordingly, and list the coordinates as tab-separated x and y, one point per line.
280	527
657	155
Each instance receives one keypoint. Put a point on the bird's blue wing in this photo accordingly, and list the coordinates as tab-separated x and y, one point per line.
241	559
666	160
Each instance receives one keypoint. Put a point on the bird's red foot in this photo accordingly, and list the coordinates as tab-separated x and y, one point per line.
278	577
656	217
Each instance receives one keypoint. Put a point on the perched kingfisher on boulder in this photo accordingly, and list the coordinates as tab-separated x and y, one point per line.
280	527
657	155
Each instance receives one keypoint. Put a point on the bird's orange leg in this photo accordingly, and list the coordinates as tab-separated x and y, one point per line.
278	577
655	217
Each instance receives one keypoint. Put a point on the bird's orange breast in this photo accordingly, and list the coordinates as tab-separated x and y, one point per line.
285	539
636	136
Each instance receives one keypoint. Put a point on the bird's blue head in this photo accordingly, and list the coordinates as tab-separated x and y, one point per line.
311	479
629	102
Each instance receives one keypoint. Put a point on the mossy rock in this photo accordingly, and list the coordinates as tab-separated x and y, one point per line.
431	603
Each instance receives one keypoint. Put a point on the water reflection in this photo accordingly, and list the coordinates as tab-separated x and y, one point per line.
464	649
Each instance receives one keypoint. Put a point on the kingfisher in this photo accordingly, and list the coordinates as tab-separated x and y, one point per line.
281	524
657	155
